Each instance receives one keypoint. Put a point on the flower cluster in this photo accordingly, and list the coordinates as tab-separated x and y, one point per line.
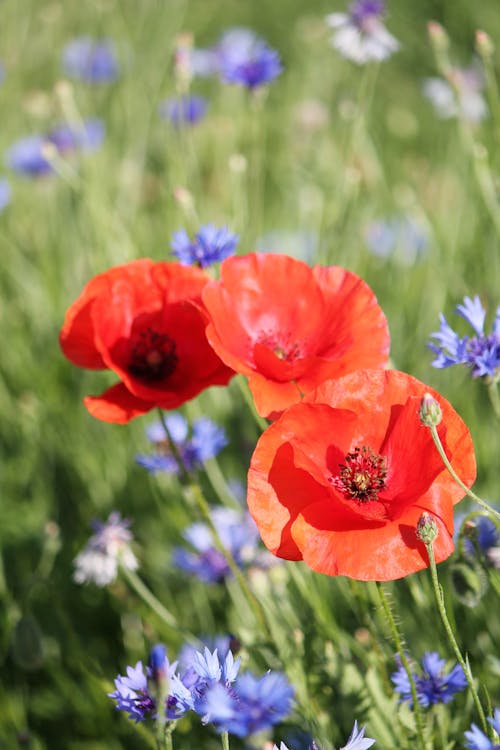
434	685
32	155
209	685
90	60
206	441
481	352
107	548
239	535
183	110
210	245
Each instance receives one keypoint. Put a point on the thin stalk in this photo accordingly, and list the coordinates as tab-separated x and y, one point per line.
148	597
225	740
235	570
492	388
196	493
464	663
467	490
404	661
245	392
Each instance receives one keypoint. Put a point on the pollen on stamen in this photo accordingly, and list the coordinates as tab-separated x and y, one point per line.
362	476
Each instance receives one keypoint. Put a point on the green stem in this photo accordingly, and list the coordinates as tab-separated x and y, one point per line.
467	490
464	663
245	392
225	741
404	661
147	596
194	491
492	388
235	570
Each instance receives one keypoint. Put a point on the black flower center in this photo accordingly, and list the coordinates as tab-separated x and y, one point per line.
153	356
362	476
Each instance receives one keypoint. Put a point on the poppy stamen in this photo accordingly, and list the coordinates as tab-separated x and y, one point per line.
362	476
153	356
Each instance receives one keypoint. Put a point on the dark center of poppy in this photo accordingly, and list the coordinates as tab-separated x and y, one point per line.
153	356
362	476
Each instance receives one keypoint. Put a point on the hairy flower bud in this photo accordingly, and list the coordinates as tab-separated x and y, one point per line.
427	529
430	412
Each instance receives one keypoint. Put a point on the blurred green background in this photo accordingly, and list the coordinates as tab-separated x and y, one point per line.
376	150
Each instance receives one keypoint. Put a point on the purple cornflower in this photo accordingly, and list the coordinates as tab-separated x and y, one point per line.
356	741
239	535
5	193
399	236
250	705
183	110
90	60
106	549
480	532
360	35
210	245
26	156
206	441
477	740
435	685
480	352
135	692
87	137
460	95
245	58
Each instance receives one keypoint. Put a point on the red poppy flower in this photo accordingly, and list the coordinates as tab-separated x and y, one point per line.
342	479
289	327
144	321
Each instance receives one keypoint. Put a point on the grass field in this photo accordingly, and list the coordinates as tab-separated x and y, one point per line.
309	166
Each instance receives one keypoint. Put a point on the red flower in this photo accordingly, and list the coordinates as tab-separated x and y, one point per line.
342	479
289	327
144	321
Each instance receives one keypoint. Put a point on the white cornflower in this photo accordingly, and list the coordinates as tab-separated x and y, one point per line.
107	548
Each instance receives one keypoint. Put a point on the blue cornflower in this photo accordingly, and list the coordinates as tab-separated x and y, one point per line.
401	236
88	137
359	35
480	531
434	686
90	60
245	58
183	110
356	741
477	740
210	245
239	535
26	156
480	352
206	441
5	193
250	705
134	692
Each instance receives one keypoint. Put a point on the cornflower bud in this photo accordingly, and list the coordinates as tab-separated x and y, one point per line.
427	529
